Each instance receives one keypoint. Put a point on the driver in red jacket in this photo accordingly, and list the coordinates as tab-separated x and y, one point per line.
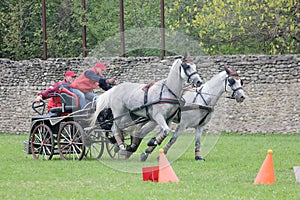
90	79
54	101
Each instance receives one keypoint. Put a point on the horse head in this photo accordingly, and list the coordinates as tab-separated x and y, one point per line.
189	70
235	84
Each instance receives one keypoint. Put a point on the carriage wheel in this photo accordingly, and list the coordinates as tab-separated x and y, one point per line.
96	146
111	145
42	144
69	141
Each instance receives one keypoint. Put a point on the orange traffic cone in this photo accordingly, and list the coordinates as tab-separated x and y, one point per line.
266	172
166	172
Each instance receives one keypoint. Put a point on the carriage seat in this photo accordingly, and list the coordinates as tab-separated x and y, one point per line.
69	103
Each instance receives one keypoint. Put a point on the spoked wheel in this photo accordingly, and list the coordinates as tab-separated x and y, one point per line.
111	145
42	143
69	141
96	143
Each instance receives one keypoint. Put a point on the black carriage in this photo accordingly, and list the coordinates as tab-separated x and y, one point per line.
66	131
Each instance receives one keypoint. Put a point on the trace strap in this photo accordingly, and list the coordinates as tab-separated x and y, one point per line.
160	100
206	107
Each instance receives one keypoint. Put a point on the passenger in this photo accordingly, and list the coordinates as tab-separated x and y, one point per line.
90	79
54	101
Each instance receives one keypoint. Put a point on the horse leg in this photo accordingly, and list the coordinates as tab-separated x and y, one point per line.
164	131
135	143
173	139
140	134
152	144
118	135
199	131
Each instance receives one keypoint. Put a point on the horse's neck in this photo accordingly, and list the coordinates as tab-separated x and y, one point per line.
174	82
214	88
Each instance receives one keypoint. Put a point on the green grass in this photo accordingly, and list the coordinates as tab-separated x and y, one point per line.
228	172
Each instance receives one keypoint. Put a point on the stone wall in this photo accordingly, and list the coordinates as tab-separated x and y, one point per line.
271	85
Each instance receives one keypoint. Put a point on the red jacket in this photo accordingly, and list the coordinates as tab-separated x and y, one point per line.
85	84
54	101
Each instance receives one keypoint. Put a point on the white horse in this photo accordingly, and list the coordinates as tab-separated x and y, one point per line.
199	107
132	103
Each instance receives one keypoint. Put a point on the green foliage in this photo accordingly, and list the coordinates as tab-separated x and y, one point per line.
20	29
241	26
218	26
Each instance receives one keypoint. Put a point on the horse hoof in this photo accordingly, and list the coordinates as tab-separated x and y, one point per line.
199	158
116	148
128	154
123	154
152	142
143	157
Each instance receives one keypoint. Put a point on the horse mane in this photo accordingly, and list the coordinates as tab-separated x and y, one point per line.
175	63
216	77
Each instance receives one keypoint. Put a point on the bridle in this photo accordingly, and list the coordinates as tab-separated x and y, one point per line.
185	66
231	82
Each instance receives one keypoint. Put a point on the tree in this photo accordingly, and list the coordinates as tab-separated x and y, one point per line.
217	26
241	26
20	29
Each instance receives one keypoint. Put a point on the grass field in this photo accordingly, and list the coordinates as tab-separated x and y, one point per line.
228	172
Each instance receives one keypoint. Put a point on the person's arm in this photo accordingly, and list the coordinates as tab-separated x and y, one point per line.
54	88
103	82
92	75
65	85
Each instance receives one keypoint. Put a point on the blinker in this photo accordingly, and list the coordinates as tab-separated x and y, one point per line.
242	83
231	81
184	66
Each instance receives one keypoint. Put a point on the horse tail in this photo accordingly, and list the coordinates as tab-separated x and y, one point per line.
103	101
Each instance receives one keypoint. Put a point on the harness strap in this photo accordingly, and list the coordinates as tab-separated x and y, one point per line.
226	83
199	93
206	107
170	101
178	112
191	76
161	100
146	99
147	104
196	107
160	95
204	118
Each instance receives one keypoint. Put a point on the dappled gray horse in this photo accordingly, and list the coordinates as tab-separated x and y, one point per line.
199	107
132	103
